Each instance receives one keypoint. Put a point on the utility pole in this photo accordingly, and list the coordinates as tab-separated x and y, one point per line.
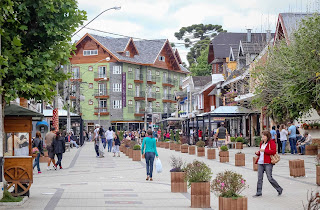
1	134
68	102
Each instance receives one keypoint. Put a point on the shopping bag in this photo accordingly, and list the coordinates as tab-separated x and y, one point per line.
158	165
101	149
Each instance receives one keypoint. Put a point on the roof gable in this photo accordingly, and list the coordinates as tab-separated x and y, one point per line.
170	59
178	56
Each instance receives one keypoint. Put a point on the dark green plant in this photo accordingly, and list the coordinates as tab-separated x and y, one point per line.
257	140
177	136
228	184
121	133
240	139
171	135
136	147
197	172
224	148
233	139
200	144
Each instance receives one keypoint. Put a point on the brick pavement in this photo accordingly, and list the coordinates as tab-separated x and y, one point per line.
88	182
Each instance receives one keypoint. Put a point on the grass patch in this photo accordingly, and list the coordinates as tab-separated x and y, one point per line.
7	197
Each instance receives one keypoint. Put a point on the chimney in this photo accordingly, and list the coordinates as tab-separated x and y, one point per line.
248	35
268	35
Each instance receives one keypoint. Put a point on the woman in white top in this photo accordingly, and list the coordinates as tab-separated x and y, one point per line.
109	136
283	137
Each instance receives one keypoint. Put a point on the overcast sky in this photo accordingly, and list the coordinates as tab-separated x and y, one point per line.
157	19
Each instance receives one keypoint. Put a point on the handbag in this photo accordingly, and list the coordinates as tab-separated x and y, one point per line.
274	158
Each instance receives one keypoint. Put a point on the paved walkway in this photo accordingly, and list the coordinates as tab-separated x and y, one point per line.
88	182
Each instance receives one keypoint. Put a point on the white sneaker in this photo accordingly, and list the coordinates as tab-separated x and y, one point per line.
48	169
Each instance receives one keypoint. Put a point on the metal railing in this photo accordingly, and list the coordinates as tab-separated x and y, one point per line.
100	92
138	76
100	109
151	78
99	75
140	94
151	95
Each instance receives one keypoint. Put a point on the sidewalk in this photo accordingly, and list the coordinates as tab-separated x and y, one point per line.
88	182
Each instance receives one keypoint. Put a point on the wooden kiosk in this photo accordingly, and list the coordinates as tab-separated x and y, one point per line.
18	161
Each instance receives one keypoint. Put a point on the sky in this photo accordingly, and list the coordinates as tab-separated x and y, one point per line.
158	19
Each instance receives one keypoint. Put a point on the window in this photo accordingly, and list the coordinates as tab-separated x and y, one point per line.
130	102
158	73
102	103
117	70
75	73
73	90
90	52
129	86
116	87
161	58
157	89
102	89
129	69
90	85
127	53
116	104
90	102
102	71
90	68
73	104
157	104
137	76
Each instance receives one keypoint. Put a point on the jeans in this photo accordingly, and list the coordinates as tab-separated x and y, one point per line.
74	143
104	142
36	162
284	146
268	169
279	146
293	145
96	147
59	155
109	145
149	161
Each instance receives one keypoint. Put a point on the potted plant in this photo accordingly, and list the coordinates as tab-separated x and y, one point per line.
318	170
228	186
200	148
132	144
239	144
257	140
172	145
178	146
233	142
136	153
192	150
224	154
178	183
198	176
184	148
312	149
240	159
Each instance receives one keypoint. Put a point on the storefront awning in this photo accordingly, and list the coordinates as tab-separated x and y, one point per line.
228	111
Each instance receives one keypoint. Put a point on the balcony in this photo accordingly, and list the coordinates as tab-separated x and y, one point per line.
138	78
151	96
102	93
140	96
167	82
100	77
151	79
139	112
168	98
102	111
156	110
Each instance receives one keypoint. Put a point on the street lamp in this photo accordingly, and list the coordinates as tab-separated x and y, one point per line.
115	8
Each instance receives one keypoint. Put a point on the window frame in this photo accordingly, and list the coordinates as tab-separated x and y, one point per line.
162	58
90	52
130	86
117	87
128	53
116	70
117	104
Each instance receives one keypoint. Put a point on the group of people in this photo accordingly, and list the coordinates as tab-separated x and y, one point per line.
102	138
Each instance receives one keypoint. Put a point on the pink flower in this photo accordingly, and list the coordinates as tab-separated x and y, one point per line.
218	181
242	181
222	184
221	188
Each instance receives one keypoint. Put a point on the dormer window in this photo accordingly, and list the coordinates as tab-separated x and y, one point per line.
90	52
127	53
161	58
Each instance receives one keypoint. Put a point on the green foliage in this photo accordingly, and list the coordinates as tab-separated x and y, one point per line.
72	109
136	147
121	133
224	148
240	139
289	80
233	139
228	184
257	140
191	36
197	172
171	135
177	136
200	144
7	197
36	40
201	66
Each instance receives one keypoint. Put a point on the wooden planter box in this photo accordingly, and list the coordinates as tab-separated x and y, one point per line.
233	204
318	175
255	165
211	153
240	159
224	156
192	150
127	151
166	145
178	147
178	184
297	168
201	151
158	144
136	155
239	145
200	195
184	148
161	144
130	153
172	146
311	150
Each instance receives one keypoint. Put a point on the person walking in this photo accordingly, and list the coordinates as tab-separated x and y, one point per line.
116	146
283	137
293	138
59	148
149	148
109	136
90	136
221	135
103	137
38	143
278	140
267	148
48	141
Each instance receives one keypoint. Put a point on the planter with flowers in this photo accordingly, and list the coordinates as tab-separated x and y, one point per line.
166	144
233	142
224	154
136	153
178	182
198	176
172	145
240	159
192	150
184	148
228	186
200	148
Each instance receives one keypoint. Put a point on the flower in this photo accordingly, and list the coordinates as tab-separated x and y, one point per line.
242	182
222	184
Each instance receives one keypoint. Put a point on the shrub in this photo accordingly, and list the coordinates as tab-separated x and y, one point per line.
177	136
7	197
224	148
201	144
197	172
257	140
171	135
228	184
176	164
132	144
136	147
240	139
233	139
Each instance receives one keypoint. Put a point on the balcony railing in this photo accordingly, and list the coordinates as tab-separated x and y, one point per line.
101	111
140	94
151	95
168	97
100	92
98	76
138	77
151	79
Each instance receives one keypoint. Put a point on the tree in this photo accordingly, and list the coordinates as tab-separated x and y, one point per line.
197	37
201	66
289	81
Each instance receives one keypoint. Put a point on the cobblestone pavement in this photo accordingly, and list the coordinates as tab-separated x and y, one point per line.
88	182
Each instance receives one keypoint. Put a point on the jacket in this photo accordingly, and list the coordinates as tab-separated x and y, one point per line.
117	141
39	144
59	145
271	149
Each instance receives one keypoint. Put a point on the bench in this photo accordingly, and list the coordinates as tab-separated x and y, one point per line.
68	145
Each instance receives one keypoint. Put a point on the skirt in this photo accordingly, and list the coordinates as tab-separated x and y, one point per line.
115	149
